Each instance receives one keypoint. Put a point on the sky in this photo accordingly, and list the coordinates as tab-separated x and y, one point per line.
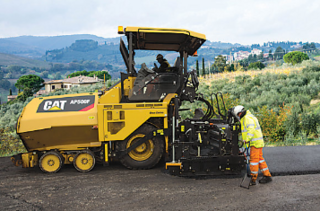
234	21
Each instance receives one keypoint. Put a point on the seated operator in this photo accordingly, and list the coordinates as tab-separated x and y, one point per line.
164	64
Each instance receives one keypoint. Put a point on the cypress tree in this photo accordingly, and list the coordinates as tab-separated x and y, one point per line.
10	91
197	67
203	70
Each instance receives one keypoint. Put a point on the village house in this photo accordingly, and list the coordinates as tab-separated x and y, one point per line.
67	83
70	82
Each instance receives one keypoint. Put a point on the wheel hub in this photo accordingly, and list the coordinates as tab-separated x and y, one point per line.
50	162
84	161
141	148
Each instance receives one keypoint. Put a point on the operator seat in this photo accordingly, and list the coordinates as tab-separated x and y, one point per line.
177	62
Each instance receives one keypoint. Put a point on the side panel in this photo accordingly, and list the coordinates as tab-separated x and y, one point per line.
60	122
69	110
121	120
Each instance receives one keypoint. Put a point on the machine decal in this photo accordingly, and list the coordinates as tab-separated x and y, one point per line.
79	103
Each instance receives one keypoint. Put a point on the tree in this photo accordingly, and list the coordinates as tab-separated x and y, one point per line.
57	76
270	56
295	57
27	92
219	63
5	84
256	65
197	67
33	82
10	91
57	67
279	53
44	74
203	68
260	56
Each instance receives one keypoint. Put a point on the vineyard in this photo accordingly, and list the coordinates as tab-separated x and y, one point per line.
285	99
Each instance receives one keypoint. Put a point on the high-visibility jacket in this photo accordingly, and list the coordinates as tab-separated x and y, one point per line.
251	131
164	64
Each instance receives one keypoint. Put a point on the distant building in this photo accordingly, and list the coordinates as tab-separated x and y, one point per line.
241	55
256	51
70	82
296	46
67	83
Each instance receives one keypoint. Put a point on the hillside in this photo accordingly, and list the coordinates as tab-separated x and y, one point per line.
32	46
9	59
285	99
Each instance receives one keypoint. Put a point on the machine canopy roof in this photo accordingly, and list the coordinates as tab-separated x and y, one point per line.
165	39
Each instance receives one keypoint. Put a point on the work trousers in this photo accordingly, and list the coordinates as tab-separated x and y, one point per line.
257	162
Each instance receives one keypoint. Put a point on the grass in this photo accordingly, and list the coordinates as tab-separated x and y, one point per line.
301	141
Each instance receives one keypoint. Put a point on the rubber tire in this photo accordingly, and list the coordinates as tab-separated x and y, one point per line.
82	152
158	144
51	153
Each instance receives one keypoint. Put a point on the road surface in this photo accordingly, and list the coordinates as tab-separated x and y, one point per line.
117	188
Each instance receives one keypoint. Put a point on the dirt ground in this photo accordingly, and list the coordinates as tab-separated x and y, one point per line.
117	188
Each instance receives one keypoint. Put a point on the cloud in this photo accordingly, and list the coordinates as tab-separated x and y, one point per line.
245	22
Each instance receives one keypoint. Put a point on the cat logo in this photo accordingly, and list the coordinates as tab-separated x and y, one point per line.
67	104
57	105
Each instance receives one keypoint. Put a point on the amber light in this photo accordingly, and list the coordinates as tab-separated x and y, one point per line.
120	30
195	53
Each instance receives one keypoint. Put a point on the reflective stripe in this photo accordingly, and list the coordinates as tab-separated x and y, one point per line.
256	139
243	131
254	172
253	164
248	125
258	128
265	169
261	161
250	134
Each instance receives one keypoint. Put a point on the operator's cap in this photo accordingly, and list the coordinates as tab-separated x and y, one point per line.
159	56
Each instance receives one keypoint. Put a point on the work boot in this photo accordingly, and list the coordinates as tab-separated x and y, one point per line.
265	180
252	183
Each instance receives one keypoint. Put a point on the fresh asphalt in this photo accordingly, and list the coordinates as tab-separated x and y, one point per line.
293	160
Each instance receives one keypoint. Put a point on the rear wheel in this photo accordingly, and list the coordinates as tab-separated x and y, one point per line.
145	156
51	162
84	161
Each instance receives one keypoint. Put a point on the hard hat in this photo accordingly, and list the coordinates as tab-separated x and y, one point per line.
159	56
237	109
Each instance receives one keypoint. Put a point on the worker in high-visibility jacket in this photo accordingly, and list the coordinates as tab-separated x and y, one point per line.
252	134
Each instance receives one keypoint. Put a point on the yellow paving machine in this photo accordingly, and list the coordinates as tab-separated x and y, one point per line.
137	120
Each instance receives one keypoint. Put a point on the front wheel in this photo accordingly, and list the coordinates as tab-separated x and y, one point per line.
84	161
145	156
51	162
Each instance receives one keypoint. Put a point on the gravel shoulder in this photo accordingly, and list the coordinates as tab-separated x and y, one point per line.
117	188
